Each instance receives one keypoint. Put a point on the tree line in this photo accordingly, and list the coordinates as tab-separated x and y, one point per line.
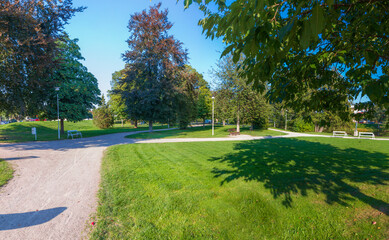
36	56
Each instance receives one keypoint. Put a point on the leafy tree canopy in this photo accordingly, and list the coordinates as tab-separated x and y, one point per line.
29	30
154	61
78	88
338	49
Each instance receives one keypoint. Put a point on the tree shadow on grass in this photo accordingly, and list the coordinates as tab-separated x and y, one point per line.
291	166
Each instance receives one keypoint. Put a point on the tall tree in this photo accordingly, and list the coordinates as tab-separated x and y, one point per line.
293	47
29	30
78	88
116	101
248	105
154	61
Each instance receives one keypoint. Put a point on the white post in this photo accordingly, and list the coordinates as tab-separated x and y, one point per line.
59	134
356	129
213	113
286	120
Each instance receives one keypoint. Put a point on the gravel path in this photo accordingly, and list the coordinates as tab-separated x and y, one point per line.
54	188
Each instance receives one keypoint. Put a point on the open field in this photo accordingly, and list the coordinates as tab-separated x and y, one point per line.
203	132
21	132
306	188
5	172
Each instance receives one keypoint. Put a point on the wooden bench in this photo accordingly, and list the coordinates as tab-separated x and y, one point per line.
366	134
339	133
74	133
233	132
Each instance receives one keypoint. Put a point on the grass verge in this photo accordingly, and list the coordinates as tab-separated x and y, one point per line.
203	132
6	172
46	131
306	188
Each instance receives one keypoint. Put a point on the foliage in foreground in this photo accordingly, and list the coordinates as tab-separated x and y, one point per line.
5	172
336	49
306	188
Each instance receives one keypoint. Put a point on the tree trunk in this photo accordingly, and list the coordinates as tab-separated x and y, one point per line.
150	125
224	123
122	122
62	127
136	123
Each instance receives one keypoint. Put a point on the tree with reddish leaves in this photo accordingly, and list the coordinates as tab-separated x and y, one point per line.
154	64
29	31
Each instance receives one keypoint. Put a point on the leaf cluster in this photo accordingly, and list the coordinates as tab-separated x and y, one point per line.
338	50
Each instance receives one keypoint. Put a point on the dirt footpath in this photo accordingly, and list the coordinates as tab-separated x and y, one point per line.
54	188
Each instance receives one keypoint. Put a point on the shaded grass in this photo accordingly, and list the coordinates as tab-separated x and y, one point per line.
306	188
6	172
203	132
21	131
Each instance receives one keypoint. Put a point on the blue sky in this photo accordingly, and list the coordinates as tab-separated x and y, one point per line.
102	32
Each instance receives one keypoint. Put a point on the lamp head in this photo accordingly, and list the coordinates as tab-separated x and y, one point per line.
57	88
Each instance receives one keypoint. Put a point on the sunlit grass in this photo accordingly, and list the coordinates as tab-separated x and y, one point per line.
203	132
306	188
21	131
5	172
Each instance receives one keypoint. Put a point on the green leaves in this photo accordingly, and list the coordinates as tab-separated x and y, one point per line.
317	20
306	35
349	37
187	3
227	50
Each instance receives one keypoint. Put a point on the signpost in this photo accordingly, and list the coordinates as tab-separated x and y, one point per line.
33	132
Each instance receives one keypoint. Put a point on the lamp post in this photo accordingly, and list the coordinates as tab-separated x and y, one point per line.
59	134
286	119
213	113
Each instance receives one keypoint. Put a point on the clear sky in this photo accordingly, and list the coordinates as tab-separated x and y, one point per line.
102	32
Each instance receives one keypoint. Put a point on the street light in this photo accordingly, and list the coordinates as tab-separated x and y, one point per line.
213	111
286	119
59	134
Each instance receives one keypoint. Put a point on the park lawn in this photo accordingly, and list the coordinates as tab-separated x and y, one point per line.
203	132
6	172
305	188
48	130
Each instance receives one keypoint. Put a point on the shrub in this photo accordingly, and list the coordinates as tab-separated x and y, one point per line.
103	117
299	125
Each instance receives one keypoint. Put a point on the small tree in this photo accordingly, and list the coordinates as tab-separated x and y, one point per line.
103	116
204	103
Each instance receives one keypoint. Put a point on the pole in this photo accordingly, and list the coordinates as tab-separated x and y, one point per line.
356	129
213	110
286	120
59	134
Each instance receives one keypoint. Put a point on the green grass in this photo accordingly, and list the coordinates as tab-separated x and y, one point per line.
46	131
306	188
203	132
6	172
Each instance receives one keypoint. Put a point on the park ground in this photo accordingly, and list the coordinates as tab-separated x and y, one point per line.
282	188
275	187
